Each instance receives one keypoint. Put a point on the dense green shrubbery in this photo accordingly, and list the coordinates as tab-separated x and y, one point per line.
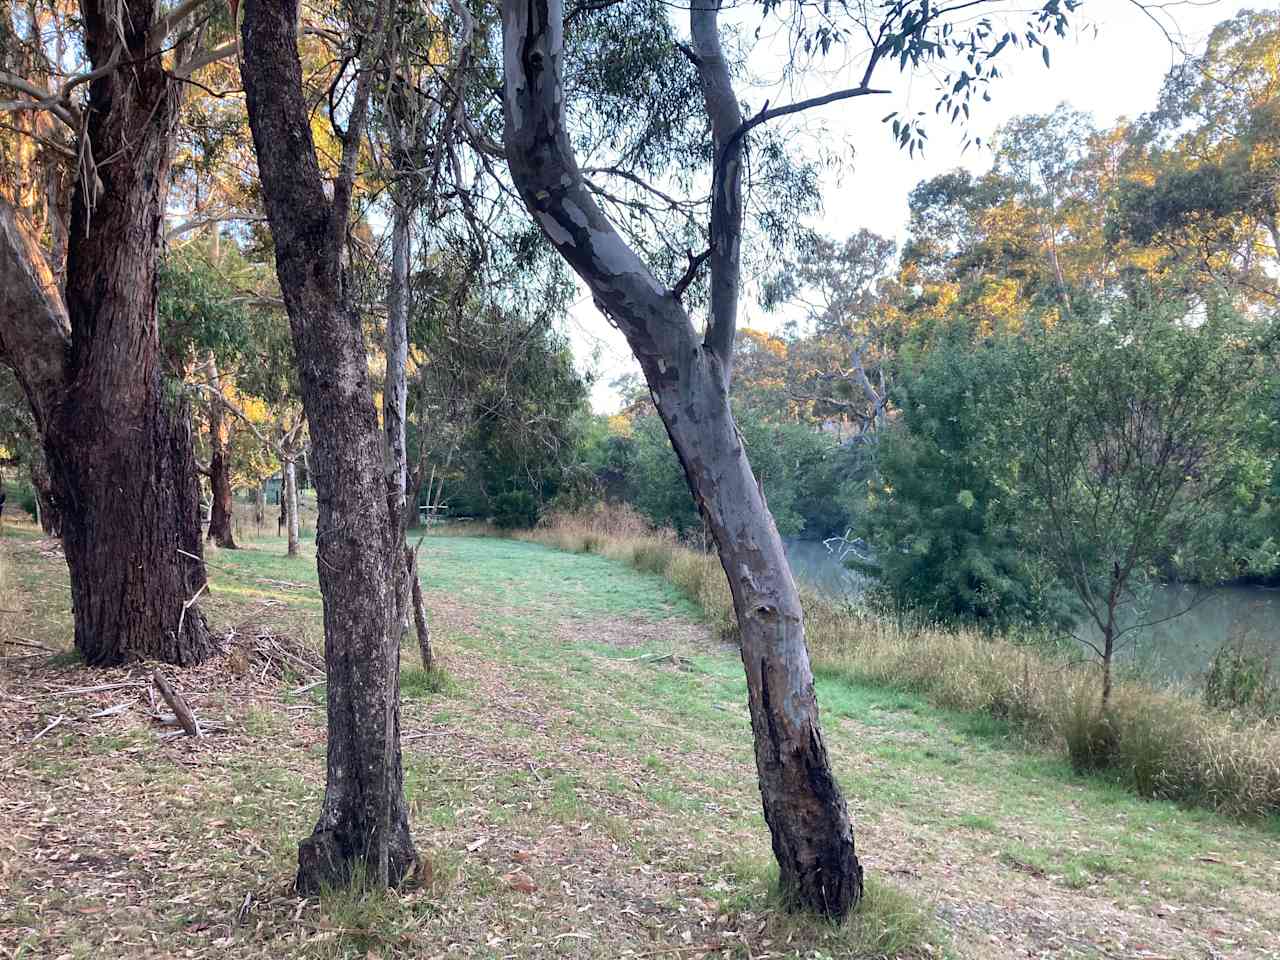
944	548
515	510
805	474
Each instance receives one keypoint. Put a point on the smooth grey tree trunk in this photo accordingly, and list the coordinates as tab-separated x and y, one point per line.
395	395
291	504
689	378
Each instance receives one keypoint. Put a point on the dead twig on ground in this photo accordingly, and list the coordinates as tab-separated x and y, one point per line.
177	705
56	722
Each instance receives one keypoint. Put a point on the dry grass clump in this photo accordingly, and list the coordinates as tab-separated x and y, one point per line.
1160	743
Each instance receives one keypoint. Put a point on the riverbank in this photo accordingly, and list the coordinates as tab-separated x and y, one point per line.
582	785
1161	744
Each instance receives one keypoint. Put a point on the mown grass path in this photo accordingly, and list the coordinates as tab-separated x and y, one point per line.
582	785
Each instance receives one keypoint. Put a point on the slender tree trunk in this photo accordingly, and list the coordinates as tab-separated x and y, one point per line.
689	378
1109	634
47	513
260	506
290	494
116	436
364	820
419	611
221	512
1108	652
394	406
803	806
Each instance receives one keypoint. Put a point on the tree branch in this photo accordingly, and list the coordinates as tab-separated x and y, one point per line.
695	264
727	130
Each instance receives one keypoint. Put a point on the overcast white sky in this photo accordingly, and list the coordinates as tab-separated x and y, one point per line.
1112	72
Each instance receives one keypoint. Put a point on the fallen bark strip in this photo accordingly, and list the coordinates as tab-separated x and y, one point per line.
179	706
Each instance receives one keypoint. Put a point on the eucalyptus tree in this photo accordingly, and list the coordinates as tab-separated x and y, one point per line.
82	337
1209	198
363	822
689	373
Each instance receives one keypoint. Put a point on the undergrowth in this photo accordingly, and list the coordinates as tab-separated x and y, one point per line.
1159	743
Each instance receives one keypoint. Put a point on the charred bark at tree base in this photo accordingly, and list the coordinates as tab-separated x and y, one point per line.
331	860
812	836
817	870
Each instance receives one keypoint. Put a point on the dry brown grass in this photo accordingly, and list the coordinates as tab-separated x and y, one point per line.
1164	744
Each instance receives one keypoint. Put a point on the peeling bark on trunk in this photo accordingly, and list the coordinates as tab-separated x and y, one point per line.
117	437
364	821
689	379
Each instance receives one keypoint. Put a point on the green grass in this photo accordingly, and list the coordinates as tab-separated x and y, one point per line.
543	736
974	759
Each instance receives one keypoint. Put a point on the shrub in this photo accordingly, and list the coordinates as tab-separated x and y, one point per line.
516	510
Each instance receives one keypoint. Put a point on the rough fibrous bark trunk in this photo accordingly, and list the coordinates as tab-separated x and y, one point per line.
222	511
47	513
689	379
363	822
116	435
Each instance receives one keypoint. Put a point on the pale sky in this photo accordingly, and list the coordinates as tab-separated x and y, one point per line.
1115	73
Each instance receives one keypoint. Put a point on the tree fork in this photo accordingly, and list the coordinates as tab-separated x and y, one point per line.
689	380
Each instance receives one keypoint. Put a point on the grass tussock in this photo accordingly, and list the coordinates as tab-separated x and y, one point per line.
1159	743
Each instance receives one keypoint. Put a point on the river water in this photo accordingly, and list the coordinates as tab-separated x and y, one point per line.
1178	649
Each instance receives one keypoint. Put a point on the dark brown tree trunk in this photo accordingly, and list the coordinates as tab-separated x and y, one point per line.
116	435
220	515
419	611
48	514
689	378
221	512
363	824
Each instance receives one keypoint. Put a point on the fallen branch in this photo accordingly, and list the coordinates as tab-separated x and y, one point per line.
307	686
56	722
110	711
24	642
177	705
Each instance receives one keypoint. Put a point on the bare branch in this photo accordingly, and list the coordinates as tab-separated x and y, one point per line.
695	264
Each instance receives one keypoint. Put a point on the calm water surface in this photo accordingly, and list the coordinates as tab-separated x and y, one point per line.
1178	649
